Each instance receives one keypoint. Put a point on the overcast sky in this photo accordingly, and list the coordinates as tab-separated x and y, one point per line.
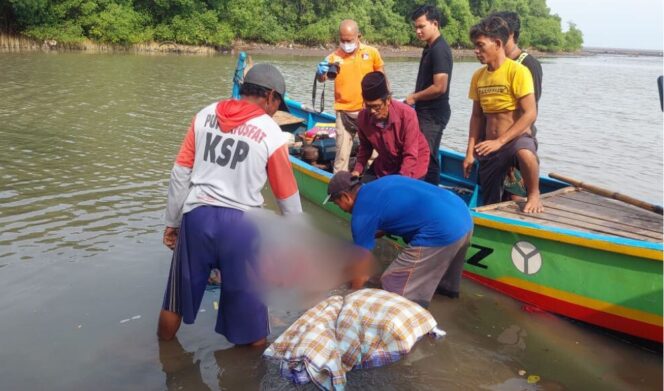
625	24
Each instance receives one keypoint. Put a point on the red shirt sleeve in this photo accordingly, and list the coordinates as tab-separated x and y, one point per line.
411	146
280	174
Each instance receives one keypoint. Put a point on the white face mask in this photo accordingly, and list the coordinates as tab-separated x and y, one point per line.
348	47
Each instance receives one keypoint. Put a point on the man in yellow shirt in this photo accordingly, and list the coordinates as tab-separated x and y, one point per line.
353	61
504	108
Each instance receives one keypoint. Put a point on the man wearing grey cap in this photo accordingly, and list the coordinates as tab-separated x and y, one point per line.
231	149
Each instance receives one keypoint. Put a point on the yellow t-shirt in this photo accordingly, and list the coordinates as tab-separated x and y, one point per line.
500	90
352	68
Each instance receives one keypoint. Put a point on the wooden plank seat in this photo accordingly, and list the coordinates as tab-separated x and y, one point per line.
576	209
283	118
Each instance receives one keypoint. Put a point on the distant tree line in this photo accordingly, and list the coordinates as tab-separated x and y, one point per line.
309	22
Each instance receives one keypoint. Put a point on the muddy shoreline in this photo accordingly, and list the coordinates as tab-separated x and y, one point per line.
19	43
386	51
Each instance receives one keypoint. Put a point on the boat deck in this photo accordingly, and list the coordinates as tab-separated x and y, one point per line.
576	209
283	118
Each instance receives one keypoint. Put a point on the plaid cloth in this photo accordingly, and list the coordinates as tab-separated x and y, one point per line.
366	329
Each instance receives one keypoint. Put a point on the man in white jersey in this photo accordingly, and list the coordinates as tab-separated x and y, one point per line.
231	149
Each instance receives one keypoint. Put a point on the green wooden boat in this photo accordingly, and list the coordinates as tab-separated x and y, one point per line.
587	257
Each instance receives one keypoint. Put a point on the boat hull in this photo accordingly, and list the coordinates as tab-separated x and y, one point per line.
611	285
605	281
611	289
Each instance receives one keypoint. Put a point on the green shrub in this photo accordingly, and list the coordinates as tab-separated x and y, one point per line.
389	27
163	32
198	29
311	22
544	33
119	24
573	38
252	20
317	33
65	33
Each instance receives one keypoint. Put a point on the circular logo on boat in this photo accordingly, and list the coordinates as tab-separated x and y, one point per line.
526	257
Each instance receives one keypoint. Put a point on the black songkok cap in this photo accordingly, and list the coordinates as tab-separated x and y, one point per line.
374	86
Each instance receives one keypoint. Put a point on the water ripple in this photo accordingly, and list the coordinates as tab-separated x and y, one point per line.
89	139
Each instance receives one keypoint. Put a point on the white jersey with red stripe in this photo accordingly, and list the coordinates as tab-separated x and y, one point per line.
231	149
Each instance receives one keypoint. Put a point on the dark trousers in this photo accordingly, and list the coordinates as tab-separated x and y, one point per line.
432	123
494	167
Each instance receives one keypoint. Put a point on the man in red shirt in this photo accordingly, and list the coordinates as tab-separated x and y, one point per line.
390	128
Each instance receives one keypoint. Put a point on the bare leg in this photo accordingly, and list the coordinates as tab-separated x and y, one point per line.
169	323
530	171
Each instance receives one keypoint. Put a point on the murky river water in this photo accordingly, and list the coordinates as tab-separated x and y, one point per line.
88	142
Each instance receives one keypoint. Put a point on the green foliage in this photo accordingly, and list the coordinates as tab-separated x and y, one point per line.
119	24
312	22
544	33
460	20
199	29
64	33
31	12
393	29
539	8
521	7
480	8
252	20
573	38
316	33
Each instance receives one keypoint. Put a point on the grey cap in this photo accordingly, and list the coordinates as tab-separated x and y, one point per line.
268	76
341	181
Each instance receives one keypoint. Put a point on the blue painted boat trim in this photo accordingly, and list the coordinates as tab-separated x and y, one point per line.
309	167
569	232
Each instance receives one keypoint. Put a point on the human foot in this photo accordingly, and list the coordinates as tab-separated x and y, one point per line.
534	204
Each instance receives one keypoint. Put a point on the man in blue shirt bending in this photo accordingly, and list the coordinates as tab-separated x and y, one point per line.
434	222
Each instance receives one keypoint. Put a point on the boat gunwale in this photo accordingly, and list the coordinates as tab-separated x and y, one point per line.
639	248
634	247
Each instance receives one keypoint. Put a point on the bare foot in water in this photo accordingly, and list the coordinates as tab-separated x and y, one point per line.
534	204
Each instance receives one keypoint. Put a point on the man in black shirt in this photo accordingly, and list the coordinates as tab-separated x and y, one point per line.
513	51
431	96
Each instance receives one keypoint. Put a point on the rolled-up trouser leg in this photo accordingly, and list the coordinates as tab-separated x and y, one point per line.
493	167
451	280
346	125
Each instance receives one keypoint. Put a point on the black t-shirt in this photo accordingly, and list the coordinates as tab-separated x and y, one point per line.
436	58
535	69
